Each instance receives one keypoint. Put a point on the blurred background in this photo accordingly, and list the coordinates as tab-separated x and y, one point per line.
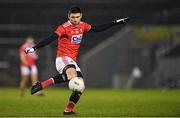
142	54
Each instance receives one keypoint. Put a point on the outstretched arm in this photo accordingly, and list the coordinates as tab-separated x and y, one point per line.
106	26
42	43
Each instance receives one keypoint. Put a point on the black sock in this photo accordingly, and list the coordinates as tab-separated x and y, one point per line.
60	78
75	96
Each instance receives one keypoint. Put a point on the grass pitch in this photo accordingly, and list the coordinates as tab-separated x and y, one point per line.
93	103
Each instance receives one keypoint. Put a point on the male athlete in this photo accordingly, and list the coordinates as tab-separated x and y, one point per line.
69	36
28	66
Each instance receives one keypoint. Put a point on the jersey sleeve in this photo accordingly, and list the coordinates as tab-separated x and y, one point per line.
60	30
87	27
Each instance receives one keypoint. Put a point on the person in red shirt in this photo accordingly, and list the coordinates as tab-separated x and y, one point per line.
69	36
28	65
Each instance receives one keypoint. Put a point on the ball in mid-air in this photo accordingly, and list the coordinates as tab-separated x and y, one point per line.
76	84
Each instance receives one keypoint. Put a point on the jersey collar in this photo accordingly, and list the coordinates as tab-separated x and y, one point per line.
72	24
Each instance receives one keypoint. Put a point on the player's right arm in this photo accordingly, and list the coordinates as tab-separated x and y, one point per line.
42	43
22	56
23	60
58	32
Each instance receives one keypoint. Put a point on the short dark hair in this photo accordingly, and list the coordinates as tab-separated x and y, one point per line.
30	36
75	9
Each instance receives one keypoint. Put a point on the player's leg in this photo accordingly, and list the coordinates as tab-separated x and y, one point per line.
72	70
24	79
68	72
68	69
34	74
73	100
59	78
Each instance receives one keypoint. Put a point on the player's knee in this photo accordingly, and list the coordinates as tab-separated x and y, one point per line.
70	71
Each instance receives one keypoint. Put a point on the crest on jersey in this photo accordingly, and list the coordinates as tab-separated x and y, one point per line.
76	38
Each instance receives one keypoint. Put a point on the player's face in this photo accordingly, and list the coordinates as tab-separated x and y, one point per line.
75	18
30	40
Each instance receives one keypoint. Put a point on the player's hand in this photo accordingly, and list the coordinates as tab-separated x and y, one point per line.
122	20
29	50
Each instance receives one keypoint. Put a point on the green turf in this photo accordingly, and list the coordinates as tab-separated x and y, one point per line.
94	102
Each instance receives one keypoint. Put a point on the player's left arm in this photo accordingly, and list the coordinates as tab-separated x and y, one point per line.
102	27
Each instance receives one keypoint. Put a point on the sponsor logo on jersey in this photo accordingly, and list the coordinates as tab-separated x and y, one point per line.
76	38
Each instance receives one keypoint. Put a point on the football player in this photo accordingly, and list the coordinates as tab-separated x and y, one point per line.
69	36
28	67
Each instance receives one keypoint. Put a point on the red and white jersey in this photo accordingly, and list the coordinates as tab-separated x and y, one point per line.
70	38
31	57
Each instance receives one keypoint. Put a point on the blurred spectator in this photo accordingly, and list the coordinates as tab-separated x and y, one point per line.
28	66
